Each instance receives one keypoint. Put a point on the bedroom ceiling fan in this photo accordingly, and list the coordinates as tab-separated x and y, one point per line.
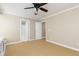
37	6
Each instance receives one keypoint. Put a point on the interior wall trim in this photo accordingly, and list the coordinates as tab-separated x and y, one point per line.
60	12
63	45
19	42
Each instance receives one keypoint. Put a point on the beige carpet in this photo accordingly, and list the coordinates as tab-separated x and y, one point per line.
38	48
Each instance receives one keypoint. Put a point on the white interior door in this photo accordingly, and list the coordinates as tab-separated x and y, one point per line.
38	30
24	30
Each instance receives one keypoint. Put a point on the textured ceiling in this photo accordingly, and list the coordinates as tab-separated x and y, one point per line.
18	9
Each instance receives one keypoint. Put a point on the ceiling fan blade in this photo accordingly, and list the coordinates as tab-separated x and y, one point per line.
45	10
28	7
41	4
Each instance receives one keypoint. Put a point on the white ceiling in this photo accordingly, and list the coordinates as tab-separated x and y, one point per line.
18	9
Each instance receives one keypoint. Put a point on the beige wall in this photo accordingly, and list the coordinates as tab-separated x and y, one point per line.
10	27
64	28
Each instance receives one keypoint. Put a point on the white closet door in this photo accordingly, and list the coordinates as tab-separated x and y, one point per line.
24	30
38	30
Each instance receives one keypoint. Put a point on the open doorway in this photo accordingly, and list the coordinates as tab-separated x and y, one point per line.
43	30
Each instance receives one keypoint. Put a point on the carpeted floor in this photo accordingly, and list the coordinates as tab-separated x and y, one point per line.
38	48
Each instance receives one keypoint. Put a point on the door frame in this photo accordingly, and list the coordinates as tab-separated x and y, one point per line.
28	29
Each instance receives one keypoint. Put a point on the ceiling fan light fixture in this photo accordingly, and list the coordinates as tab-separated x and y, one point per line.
36	12
37	6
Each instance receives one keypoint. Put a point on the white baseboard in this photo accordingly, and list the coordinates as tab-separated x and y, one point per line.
18	42
66	46
14	42
75	49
